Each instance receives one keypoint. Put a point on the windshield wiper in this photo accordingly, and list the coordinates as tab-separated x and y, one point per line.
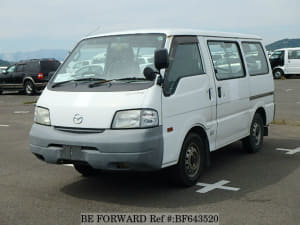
98	83
132	78
59	83
81	79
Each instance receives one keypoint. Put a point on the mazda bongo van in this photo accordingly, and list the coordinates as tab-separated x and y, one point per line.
285	62
199	92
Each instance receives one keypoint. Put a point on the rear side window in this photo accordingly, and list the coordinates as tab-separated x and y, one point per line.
33	67
226	59
49	66
294	54
255	58
20	68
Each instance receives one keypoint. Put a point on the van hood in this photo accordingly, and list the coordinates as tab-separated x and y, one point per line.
97	109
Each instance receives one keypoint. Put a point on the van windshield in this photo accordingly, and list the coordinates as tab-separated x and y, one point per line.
111	58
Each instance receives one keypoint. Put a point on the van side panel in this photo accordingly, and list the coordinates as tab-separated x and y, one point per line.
292	65
232	91
262	94
187	107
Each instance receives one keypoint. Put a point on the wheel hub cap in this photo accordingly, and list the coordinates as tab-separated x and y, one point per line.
256	133
192	160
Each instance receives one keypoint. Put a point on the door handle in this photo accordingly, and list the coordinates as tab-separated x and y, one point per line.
219	92
209	93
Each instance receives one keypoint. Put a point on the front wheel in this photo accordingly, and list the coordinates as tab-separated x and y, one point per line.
278	74
29	88
253	143
191	161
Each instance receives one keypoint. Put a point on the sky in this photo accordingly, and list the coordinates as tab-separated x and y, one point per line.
59	24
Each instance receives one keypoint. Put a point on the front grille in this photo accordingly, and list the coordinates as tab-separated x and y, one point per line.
79	130
74	146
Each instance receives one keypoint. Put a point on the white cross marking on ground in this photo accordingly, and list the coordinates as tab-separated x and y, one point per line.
289	151
219	185
69	165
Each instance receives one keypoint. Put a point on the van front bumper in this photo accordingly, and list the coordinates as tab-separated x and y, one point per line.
131	149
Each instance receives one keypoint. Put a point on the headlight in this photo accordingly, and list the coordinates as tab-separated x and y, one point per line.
42	116
135	119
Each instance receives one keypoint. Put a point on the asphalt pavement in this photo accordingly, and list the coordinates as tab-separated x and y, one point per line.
265	187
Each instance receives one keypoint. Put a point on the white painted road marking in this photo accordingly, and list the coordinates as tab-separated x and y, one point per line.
4	125
21	112
287	90
218	185
69	165
289	151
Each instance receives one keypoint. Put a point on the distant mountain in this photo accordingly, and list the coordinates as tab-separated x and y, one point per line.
285	43
59	54
4	63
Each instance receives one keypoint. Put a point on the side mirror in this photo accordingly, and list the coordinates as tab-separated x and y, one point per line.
161	59
149	73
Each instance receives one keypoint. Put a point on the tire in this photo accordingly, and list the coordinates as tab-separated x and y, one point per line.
29	87
1	92
253	143
191	162
278	73
85	170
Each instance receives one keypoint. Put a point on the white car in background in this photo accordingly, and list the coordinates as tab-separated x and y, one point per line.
285	62
2	68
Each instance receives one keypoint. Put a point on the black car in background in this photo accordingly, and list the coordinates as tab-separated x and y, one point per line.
29	76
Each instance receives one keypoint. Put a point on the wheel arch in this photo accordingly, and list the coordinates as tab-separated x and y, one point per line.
200	130
26	79
262	112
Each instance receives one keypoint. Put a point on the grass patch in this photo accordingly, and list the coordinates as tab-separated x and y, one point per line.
30	102
286	122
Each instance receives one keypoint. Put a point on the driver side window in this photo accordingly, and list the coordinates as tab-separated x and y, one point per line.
11	69
185	60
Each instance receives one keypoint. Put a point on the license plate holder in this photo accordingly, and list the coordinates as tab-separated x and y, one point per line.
71	152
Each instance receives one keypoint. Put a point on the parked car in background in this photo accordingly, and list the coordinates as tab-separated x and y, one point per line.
285	62
29	76
2	68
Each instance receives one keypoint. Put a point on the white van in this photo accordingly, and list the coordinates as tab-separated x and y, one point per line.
285	62
203	91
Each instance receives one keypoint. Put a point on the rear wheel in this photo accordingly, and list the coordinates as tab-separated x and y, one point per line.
29	87
85	170
278	74
191	161
253	143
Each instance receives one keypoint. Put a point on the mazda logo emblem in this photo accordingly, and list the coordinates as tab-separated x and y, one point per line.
78	119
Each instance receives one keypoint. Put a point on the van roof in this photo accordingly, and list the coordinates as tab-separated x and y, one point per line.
172	32
282	49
